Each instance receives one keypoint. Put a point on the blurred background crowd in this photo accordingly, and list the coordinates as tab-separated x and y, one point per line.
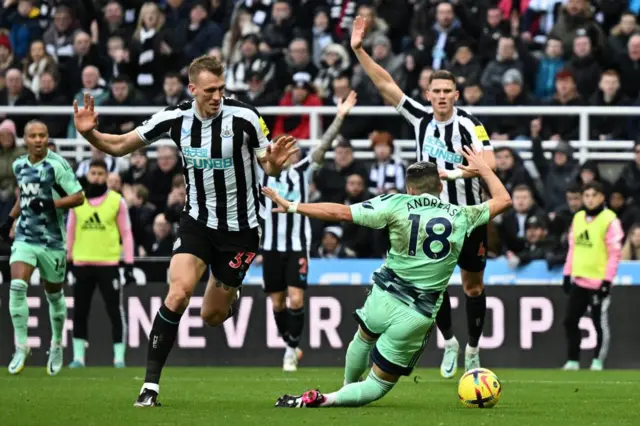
277	52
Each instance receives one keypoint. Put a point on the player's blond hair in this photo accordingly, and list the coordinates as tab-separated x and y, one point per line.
205	63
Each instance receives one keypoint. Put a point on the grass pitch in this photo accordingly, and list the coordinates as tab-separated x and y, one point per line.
245	396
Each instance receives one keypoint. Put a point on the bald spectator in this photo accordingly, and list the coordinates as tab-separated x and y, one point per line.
93	84
15	94
161	242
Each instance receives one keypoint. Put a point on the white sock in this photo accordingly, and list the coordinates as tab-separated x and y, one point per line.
451	342
290	352
151	386
471	350
329	399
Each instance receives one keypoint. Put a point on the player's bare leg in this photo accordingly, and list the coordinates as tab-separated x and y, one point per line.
57	317
185	271
217	301
290	323
19	310
476	306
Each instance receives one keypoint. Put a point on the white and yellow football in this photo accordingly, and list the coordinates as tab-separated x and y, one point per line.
479	388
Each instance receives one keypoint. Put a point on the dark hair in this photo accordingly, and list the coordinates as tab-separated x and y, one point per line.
172	74
205	63
573	188
423	176
523	187
595	185
443	75
120	79
99	163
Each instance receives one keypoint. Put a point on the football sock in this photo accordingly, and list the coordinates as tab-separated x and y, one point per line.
296	324
57	315
476	308
282	322
79	347
118	352
357	358
443	319
19	310
161	340
359	394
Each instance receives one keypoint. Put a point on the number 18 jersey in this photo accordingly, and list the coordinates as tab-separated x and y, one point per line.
426	236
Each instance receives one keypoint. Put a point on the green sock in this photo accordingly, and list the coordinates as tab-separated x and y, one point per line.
57	315
118	352
19	310
79	346
361	393
357	359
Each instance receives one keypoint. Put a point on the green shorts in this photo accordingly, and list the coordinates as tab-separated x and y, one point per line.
401	331
51	263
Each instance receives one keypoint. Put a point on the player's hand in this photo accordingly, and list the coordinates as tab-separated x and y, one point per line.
477	166
128	275
5	228
40	205
280	151
345	105
357	32
283	205
85	119
566	284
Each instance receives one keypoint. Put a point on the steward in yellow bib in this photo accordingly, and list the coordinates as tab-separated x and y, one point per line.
595	249
95	231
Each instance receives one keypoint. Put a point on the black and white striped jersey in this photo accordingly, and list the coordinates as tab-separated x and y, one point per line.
438	142
387	176
285	232
219	160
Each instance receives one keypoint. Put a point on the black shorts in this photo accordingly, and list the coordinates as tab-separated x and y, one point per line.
227	253
282	270
473	257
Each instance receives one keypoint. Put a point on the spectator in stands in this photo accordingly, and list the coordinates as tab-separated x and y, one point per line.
353	126
117	61
122	94
50	95
387	173
138	172
261	93
141	213
335	62
590	172
320	37
250	59
506	59
419	94
629	180
374	25
511	225
330	246
176	199
536	244
628	213
629	66
330	180
465	66
299	58
549	66
15	94
621	33
631	249
576	15
538	20
241	27
93	84
167	166
58	38
173	93
486	33
114	182
153	51
302	94
561	218
511	171
559	127
609	94
37	62
513	93
83	166
383	55
9	152
161	242
112	23
85	54
197	35
585	68
7	60
23	20
356	238
279	31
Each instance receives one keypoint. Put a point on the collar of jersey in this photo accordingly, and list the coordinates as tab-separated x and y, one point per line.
197	114
37	162
453	116
426	194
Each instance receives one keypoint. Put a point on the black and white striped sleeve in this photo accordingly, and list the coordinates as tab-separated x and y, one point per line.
411	110
158	125
260	140
479	137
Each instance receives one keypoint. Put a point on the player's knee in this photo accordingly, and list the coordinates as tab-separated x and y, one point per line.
472	285
296	301
178	299
214	317
279	301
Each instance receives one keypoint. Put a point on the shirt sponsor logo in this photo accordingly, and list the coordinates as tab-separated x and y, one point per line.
436	148
199	158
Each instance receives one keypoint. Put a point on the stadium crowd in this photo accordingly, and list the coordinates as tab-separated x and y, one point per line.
279	52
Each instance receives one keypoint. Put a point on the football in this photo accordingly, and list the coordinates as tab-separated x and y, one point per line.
479	388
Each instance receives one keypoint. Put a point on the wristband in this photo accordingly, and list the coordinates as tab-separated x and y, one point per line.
454	174
293	207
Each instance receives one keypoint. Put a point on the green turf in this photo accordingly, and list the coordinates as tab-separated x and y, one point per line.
245	396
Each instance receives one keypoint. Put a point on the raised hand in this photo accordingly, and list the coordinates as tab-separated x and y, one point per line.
280	151
283	205
85	119
477	166
357	32
344	106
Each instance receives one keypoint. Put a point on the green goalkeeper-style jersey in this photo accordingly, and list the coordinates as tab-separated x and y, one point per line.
426	237
50	178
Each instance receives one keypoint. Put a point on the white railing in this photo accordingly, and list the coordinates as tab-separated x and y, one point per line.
585	149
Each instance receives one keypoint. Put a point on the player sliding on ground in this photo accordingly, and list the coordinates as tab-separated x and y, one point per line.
426	236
